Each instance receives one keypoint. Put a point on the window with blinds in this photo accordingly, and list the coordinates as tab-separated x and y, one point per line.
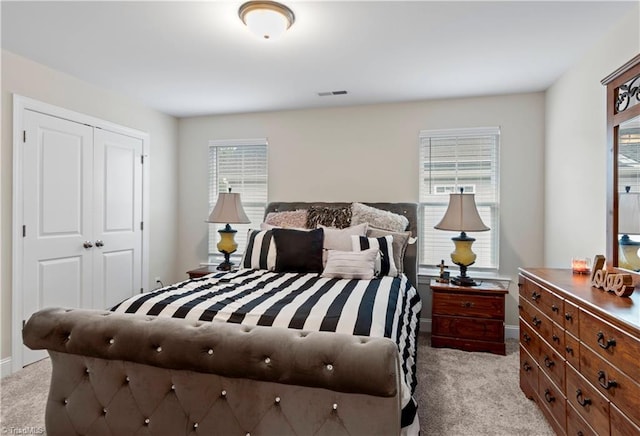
239	165
450	160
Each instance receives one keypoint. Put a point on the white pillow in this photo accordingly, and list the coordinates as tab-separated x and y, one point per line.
351	264
340	239
385	266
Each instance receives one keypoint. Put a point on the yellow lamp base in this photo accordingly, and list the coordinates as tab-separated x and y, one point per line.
628	256
226	246
463	257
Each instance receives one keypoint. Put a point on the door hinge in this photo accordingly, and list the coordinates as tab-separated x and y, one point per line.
141	290
142	159
23	324
24	231
141	225
24	136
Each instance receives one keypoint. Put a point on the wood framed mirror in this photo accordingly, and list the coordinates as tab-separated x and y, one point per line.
623	166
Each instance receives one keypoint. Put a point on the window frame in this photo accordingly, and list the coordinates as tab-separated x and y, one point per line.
213	254
493	205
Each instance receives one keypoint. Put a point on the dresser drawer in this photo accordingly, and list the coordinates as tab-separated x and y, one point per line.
571	318
576	425
572	350
589	403
529	339
468	328
549	303
553	401
475	306
535	319
615	346
528	372
552	364
613	384
620	424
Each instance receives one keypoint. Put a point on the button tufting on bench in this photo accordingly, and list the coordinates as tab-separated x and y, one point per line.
210	352
112	341
267	360
277	400
329	367
223	393
195	425
335	406
65	401
147	421
159	349
173	387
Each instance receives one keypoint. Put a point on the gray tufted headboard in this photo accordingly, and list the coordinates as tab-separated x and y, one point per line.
409	210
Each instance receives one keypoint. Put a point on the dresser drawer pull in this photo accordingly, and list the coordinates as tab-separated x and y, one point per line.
580	433
568	316
535	321
555	308
467	304
569	350
547	396
526	338
584	402
535	296
555	338
526	366
548	362
607	384
605	344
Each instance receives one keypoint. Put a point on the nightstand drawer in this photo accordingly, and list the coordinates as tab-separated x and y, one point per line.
468	328
478	306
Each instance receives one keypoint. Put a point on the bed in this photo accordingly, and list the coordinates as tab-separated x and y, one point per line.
257	351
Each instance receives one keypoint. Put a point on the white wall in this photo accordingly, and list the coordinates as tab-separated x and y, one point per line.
369	153
576	149
27	78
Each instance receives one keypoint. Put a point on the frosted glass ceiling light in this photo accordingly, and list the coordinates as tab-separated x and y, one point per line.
266	19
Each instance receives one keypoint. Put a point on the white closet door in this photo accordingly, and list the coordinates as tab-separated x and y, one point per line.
58	186
117	215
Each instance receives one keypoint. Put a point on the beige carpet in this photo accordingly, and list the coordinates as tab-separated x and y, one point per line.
458	393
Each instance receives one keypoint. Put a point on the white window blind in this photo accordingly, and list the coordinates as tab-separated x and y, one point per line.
450	160
242	166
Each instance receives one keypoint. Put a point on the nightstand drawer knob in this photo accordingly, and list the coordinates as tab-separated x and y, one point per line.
535	296
535	321
467	304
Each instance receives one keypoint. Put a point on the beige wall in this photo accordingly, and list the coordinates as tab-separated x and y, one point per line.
27	78
576	149
369	153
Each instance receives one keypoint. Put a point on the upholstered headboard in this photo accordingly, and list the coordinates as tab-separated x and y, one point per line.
409	210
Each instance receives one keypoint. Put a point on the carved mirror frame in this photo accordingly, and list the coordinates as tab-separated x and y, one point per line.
623	104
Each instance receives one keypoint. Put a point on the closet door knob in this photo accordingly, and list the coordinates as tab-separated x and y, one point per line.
99	243
87	244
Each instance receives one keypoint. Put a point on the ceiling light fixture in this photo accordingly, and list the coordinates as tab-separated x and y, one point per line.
266	19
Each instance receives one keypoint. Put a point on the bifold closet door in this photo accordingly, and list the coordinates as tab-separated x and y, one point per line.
82	211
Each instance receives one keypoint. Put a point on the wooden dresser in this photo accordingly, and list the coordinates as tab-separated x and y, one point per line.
579	353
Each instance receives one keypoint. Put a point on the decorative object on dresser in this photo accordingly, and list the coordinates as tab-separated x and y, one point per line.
228	209
617	282
469	318
579	352
462	216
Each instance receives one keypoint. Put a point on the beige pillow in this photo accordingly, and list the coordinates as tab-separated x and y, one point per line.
382	219
400	242
351	264
340	239
288	219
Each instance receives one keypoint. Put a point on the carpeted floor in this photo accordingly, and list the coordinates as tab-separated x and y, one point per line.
458	393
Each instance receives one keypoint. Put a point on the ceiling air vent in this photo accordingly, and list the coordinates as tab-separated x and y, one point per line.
327	93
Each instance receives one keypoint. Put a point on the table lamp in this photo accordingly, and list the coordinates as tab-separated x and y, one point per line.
228	210
462	215
629	224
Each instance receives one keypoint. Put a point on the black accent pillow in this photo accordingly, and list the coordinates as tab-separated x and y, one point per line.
298	251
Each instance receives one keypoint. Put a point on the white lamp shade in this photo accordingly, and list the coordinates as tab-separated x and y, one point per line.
629	213
266	19
462	215
228	210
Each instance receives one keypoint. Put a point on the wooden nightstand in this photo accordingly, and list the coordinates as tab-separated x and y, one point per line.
202	271
469	318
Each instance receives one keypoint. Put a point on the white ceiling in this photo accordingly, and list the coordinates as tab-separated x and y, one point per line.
197	58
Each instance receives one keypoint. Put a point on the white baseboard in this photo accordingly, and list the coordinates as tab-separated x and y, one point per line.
5	367
510	331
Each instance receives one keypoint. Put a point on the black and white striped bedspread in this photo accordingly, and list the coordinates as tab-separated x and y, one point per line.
386	307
